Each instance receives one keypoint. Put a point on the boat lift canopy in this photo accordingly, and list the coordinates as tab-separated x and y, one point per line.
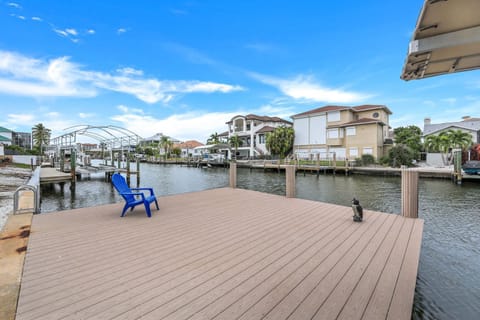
110	137
446	39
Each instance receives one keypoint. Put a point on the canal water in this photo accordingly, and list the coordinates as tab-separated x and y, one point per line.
448	283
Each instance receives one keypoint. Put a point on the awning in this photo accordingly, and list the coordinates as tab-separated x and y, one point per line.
446	39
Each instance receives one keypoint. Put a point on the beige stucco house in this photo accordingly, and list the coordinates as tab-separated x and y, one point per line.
347	132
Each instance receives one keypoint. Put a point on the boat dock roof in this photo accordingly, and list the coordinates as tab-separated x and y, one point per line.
224	254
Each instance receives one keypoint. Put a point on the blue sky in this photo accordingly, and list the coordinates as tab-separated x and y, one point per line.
184	68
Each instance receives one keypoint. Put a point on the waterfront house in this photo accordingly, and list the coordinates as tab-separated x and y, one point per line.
347	132
6	136
252	131
187	147
22	139
155	141
468	124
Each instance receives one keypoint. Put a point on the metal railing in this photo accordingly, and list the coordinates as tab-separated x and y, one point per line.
32	185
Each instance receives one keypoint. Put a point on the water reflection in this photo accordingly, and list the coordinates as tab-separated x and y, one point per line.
448	283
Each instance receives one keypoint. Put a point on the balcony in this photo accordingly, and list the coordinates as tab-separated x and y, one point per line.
335	141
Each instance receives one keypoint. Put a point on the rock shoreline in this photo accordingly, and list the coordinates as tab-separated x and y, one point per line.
10	179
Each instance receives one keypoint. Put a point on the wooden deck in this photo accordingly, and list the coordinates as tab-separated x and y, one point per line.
220	254
52	175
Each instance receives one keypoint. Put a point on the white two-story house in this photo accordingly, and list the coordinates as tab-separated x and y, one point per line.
252	131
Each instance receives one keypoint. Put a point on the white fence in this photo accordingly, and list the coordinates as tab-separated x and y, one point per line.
27	160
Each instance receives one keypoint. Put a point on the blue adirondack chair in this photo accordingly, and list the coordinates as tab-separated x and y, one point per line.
131	195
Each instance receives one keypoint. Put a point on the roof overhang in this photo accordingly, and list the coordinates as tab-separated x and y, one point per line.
446	39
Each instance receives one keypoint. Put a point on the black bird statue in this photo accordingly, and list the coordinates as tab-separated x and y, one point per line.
357	210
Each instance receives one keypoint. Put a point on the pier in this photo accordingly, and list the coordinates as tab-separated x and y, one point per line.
223	253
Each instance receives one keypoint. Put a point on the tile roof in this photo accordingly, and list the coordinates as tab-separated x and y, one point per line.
265	129
190	144
371	107
338	108
358	122
261	118
320	110
473	125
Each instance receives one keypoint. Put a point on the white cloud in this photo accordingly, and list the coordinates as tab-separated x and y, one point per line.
305	88
195	125
130	71
197	86
83	115
24	76
61	32
71	31
91	31
37	19
20	119
14	5
121	30
450	101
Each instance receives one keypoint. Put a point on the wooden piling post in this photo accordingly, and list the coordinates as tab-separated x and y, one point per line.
128	169
73	158
457	167
409	193
290	181
233	175
138	172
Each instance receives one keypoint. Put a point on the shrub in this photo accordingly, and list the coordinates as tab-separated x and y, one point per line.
367	159
401	155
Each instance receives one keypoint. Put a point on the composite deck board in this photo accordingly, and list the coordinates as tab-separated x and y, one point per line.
220	254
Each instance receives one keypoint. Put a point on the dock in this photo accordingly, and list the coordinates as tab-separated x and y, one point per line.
52	175
220	254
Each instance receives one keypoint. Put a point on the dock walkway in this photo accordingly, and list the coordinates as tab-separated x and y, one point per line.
220	254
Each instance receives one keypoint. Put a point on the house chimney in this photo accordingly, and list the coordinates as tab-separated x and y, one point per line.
427	121
466	118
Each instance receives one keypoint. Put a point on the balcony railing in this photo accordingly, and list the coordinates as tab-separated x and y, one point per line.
335	141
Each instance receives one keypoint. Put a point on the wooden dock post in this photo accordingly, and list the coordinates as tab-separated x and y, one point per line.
334	162
290	181
233	174
73	158
457	167
128	169
62	160
138	172
409	193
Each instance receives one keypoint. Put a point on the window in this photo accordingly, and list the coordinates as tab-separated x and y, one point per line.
248	126
333	116
375	114
351	131
332	133
367	150
353	152
261	139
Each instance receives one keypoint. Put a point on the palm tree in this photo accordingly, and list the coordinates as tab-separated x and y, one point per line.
235	142
458	139
280	141
165	144
214	139
41	136
438	143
